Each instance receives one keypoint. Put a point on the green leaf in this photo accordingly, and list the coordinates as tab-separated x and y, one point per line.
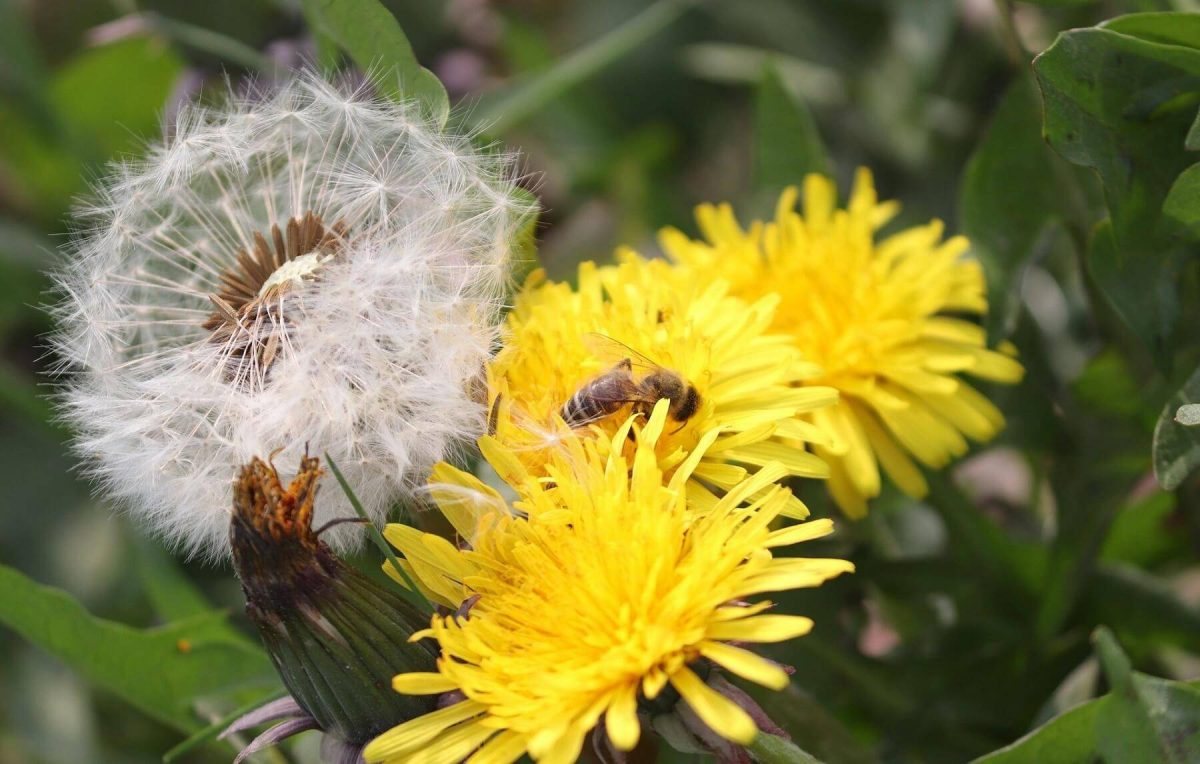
1147	719
1144	719
1142	608
98	121
772	749
1120	100
171	594
161	671
1182	205
1066	739
786	141
501	111
810	725
373	38
1142	533
1007	201
1177	446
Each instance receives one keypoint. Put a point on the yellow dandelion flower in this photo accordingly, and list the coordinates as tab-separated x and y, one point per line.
576	362
887	320
604	592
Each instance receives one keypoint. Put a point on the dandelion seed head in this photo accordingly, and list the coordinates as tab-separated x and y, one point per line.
310	268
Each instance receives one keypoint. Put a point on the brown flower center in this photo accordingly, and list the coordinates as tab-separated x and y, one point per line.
248	317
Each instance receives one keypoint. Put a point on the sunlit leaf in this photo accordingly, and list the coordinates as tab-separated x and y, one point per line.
161	671
1176	445
373	38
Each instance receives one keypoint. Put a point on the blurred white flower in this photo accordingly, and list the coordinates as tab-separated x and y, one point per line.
309	269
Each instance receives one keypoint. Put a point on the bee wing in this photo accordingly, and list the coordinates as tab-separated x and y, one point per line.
608	349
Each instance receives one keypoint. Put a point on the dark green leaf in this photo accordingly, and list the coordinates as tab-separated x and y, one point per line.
1142	608
501	111
1146	719
1122	105
1177	446
811	725
161	671
1143	533
1182	205
373	38
1066	739
786	141
1007	200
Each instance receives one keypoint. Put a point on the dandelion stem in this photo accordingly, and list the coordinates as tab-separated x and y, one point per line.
413	594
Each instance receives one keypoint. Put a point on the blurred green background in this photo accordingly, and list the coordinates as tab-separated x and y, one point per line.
928	654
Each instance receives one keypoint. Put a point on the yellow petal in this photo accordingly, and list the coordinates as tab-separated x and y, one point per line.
419	731
794	534
505	748
423	683
621	720
745	664
761	628
796	461
720	713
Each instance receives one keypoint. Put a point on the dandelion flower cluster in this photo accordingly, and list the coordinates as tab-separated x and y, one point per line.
308	268
885	319
639	318
599	593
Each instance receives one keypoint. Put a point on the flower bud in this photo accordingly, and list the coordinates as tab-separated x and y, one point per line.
335	637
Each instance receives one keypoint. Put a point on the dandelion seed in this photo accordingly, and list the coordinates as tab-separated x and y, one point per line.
885	320
312	267
610	601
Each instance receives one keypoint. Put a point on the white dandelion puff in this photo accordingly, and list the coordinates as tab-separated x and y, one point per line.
313	269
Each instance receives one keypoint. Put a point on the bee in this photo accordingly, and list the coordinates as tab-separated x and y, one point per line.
604	395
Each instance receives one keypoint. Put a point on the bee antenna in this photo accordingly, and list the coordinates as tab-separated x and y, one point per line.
340	521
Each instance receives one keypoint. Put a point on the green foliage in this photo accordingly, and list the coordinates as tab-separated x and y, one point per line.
1076	179
1011	198
162	670
1119	100
370	34
1146	718
1142	719
504	110
787	145
1176	445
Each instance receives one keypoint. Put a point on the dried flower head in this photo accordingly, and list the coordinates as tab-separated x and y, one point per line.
335	636
311	267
